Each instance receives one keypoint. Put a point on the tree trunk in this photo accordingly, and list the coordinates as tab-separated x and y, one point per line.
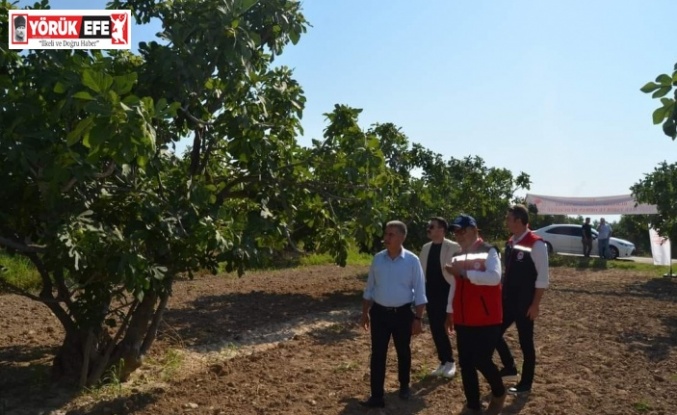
67	364
130	351
106	352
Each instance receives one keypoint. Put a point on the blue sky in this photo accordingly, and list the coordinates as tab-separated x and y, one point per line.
546	87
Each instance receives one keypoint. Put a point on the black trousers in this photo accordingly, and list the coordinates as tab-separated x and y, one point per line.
386	323
476	346
587	246
525	331
437	316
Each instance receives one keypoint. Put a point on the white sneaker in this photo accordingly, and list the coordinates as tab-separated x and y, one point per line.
438	371
448	370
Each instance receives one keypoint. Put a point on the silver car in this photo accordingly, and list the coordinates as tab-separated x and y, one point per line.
568	239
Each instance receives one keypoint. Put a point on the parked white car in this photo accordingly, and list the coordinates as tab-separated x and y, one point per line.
567	239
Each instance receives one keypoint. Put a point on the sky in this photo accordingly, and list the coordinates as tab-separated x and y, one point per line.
550	88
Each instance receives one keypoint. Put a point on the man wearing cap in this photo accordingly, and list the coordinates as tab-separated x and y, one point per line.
434	255
394	284
526	279
475	312
20	29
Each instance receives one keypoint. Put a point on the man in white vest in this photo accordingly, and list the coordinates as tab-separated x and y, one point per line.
434	255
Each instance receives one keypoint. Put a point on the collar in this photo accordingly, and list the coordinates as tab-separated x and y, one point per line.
516	239
400	255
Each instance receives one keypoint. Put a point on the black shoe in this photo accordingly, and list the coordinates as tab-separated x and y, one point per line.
508	372
519	388
405	394
373	403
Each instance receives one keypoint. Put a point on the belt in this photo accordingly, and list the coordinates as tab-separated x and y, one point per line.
392	309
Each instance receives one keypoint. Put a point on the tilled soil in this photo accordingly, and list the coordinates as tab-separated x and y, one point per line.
287	342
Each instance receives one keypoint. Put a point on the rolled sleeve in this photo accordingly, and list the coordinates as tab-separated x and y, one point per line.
492	273
369	288
539	254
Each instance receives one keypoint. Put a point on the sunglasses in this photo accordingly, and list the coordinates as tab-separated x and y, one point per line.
431	226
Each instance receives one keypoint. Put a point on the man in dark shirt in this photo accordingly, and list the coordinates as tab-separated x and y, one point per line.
587	238
434	256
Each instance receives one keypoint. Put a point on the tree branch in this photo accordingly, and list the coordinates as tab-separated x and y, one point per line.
47	297
103	362
23	248
195	152
61	288
155	324
109	171
194	118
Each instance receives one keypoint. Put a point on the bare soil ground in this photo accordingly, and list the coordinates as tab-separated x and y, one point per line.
287	342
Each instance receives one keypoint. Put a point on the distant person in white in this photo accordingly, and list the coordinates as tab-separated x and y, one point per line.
604	234
118	29
20	29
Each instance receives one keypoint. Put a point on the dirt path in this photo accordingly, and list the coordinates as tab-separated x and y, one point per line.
286	342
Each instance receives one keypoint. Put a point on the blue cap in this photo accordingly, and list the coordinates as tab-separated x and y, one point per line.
464	221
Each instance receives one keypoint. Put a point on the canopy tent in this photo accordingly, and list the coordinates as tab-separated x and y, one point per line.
605	205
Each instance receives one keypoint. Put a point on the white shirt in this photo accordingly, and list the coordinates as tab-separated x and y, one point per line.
604	231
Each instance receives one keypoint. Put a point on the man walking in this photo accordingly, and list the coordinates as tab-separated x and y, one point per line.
475	312
395	282
526	279
434	255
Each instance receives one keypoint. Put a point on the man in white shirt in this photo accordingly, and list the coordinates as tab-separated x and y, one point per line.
604	234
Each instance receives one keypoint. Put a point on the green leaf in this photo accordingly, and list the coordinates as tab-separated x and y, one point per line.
670	128
659	115
664	79
661	92
125	83
83	95
141	161
83	126
649	87
59	88
294	37
96	81
244	5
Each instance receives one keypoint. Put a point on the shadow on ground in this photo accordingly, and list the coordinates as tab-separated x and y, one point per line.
229	315
120	405
659	288
656	348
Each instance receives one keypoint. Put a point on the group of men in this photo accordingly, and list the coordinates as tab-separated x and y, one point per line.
603	237
463	289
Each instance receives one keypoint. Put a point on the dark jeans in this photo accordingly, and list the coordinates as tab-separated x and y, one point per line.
525	332
475	347
437	316
587	247
603	247
387	322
